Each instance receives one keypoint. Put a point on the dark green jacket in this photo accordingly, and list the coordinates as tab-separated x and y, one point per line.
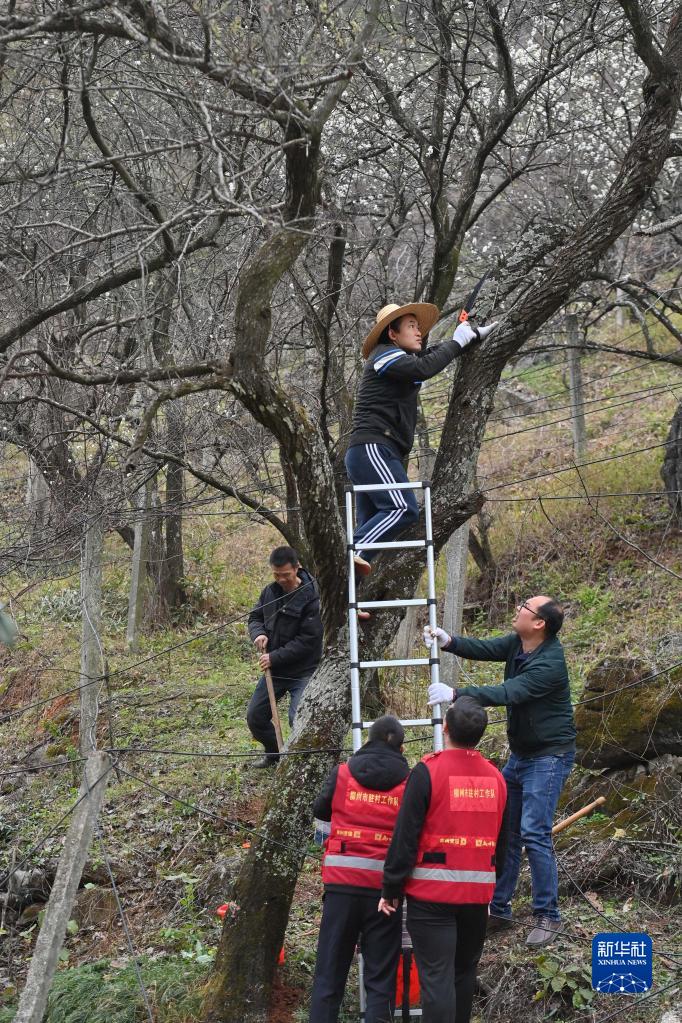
538	699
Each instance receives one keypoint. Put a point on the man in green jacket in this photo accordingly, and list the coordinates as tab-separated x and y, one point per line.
541	735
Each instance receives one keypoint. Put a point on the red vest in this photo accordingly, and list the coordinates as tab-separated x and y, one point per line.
361	830
456	853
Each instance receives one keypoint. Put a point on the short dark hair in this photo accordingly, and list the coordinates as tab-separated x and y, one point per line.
283	556
389	730
467	720
553	616
384	339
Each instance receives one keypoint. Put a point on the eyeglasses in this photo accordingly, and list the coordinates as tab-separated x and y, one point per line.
541	617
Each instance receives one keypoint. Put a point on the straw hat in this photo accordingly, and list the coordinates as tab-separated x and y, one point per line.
426	314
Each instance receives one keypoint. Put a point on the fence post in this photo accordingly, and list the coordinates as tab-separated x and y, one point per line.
577	394
33	1000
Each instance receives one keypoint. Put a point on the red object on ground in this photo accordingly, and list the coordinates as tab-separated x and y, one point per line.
227	907
280	957
413	990
246	845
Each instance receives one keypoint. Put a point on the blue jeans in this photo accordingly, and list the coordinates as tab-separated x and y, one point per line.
259	714
534	785
381	514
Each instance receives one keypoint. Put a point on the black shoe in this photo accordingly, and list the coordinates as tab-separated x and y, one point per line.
498	923
544	931
266	761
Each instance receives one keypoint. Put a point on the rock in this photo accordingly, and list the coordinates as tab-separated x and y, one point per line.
216	880
26	886
636	791
670	645
511	396
97	873
31	914
95	907
631	841
11	783
620	722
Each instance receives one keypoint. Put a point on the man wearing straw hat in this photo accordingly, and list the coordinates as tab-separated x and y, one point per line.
385	414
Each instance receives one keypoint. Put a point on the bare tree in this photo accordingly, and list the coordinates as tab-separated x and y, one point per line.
370	171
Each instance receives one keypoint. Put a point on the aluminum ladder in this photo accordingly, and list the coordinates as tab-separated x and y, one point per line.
356	665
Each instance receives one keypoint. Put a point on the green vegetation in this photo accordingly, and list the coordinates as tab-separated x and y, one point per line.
109	992
186	690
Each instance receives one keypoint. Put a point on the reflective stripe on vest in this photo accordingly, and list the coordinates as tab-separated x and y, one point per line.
456	852
441	874
354	862
361	829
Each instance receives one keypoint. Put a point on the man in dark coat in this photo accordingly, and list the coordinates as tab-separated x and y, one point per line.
361	798
541	735
286	630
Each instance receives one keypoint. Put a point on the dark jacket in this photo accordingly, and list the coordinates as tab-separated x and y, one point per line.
402	853
385	409
536	694
375	766
292	623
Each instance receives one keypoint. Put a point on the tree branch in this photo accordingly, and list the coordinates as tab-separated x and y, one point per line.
643	40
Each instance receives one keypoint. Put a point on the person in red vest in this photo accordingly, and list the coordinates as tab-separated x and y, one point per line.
446	848
361	798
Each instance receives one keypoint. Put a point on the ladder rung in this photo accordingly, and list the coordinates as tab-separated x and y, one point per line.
407	723
400	663
388	545
367	487
413	602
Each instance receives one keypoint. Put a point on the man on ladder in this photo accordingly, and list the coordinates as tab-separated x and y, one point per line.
385	414
381	495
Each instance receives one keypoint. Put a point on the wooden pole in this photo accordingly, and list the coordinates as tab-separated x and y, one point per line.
138	576
577	394
456	553
92	659
578	814
275	709
50	939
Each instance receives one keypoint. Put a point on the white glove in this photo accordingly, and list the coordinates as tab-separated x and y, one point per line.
440	693
437	633
465	333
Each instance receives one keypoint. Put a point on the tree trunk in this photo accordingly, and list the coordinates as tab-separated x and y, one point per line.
240	986
481	551
456	550
404	640
138	575
38	500
92	657
575	376
172	593
671	470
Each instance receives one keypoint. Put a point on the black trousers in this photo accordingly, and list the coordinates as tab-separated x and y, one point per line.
259	712
447	943
345	918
